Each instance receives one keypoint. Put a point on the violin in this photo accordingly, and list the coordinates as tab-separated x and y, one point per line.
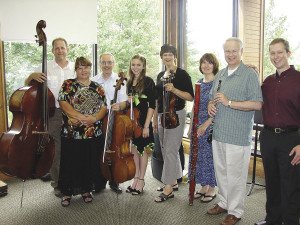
27	149
134	115
117	162
169	118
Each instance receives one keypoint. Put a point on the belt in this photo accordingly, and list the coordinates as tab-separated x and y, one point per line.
279	130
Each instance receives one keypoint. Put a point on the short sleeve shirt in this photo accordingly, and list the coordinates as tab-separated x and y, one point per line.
74	93
56	76
230	125
108	85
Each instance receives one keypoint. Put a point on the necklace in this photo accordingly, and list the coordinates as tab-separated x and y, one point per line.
85	83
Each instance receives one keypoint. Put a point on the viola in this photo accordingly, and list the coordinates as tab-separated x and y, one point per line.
117	163
27	149
169	118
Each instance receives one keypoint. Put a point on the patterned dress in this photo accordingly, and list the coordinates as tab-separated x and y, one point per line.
205	173
81	146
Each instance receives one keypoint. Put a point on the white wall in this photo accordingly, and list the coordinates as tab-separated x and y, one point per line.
75	20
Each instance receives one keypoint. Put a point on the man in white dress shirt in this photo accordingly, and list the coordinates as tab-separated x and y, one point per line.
58	70
108	79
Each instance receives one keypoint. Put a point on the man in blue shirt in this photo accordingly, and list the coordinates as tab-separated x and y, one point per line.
233	106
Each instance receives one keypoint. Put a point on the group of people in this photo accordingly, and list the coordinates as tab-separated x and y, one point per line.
229	98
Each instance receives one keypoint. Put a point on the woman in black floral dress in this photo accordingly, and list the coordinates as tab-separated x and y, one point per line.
84	105
141	89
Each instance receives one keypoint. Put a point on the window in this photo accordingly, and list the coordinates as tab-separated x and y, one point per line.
281	20
130	27
21	59
206	33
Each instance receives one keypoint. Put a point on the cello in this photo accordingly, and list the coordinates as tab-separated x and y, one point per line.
117	162
27	149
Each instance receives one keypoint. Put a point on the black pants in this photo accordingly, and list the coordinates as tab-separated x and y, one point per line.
282	179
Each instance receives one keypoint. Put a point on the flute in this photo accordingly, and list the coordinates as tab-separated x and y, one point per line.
210	133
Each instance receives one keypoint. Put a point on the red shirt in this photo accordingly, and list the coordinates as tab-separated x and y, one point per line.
281	96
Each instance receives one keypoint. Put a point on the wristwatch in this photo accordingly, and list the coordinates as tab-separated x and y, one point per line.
229	103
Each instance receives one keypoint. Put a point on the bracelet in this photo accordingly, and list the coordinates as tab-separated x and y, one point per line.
229	103
146	127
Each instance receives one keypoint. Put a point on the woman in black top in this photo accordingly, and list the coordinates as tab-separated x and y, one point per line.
170	138
141	89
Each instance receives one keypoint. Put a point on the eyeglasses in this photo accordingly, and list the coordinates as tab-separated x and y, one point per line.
106	63
233	52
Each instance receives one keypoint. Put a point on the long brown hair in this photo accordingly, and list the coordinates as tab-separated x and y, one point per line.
139	88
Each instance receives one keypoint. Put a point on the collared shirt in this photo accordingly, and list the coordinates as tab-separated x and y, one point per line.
230	125
108	85
281	95
56	76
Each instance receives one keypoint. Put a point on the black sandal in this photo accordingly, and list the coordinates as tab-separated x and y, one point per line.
66	201
163	197
138	192
87	197
198	194
174	186
129	188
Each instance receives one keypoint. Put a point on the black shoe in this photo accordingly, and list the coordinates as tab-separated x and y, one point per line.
46	177
98	189
179	180
115	187
263	222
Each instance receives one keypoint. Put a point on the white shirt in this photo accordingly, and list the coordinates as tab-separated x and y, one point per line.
108	85
56	76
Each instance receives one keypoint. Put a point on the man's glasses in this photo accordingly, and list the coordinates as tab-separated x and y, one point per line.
233	52
106	63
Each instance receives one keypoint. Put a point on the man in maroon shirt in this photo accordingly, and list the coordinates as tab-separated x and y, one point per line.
280	138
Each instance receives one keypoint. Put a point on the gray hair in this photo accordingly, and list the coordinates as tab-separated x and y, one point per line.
236	40
107	53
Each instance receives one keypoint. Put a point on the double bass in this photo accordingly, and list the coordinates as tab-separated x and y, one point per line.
117	162
27	149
